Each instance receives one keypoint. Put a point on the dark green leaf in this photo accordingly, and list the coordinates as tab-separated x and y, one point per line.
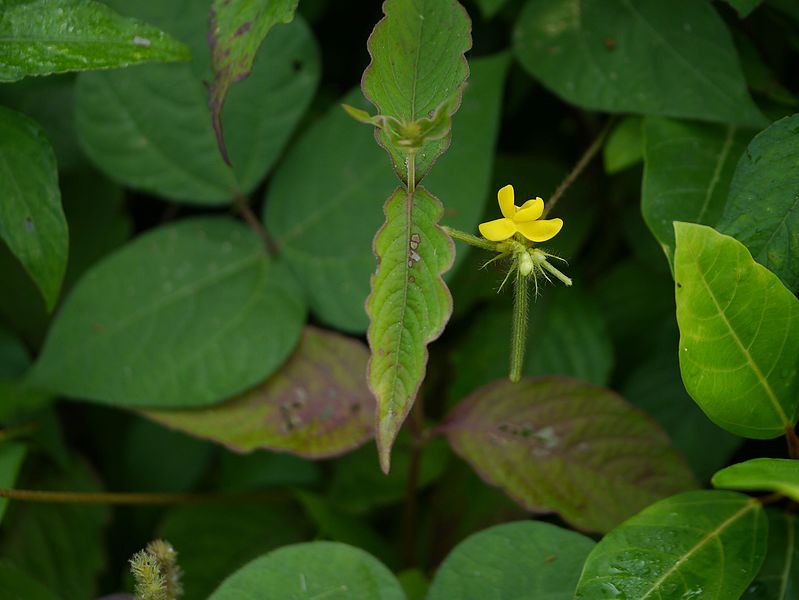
540	437
624	147
673	59
761	474
17	585
11	457
515	560
174	319
739	335
705	544
32	221
40	37
744	7
779	576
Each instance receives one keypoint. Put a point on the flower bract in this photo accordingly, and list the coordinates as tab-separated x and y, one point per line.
524	219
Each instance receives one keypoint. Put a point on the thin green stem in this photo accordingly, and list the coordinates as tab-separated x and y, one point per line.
470	239
586	158
242	206
137	498
518	345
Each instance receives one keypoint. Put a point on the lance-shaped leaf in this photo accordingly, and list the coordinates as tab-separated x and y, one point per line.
32	221
705	544
778	578
763	207
761	474
687	173
555	444
739	334
417	68
236	30
185	315
40	37
408	307
317	405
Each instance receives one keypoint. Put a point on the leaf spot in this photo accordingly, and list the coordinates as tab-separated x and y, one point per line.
140	41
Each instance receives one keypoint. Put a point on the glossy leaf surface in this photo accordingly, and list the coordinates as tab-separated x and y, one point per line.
761	474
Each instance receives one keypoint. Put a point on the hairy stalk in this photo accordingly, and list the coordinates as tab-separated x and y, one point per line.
518	344
134	498
470	239
242	206
586	158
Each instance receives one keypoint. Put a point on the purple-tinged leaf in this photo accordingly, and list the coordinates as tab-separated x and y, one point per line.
556	444
236	29
317	405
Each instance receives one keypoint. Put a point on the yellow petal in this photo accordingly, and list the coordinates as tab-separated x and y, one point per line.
540	231
530	211
497	230
505	197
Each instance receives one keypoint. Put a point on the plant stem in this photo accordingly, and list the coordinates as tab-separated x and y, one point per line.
411	172
18	431
793	442
579	167
136	498
242	205
470	239
518	344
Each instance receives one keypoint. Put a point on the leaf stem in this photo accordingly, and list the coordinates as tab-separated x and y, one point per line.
17	431
518	344
793	442
470	239
138	498
242	206
411	172
579	167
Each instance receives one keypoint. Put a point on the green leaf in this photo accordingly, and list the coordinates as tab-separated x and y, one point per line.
704	544
417	65
260	470
739	335
761	474
763	207
489	8
236	30
624	147
185	315
408	307
327	237
316	405
11	457
16	584
214	541
688	168
32	221
744	7
312	571
151	127
60	545
515	560
40	37
539	437
601	56
778	578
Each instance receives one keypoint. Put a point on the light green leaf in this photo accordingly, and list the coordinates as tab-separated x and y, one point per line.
739	334
236	30
624	147
705	544
312	571
408	307
515	560
185	315
151	127
779	576
763	207
761	474
11	457
555	444
32	221
17	584
673	59
316	405
327	237
40	37
417	65
688	168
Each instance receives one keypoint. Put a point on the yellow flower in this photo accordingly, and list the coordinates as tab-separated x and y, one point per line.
524	219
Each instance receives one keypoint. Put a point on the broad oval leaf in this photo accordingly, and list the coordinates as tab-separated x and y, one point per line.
763	207
778	578
185	315
601	55
326	237
32	222
525	559
417	65
704	544
687	172
555	444
40	37
316	405
312	571
408	307
739	334
760	474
